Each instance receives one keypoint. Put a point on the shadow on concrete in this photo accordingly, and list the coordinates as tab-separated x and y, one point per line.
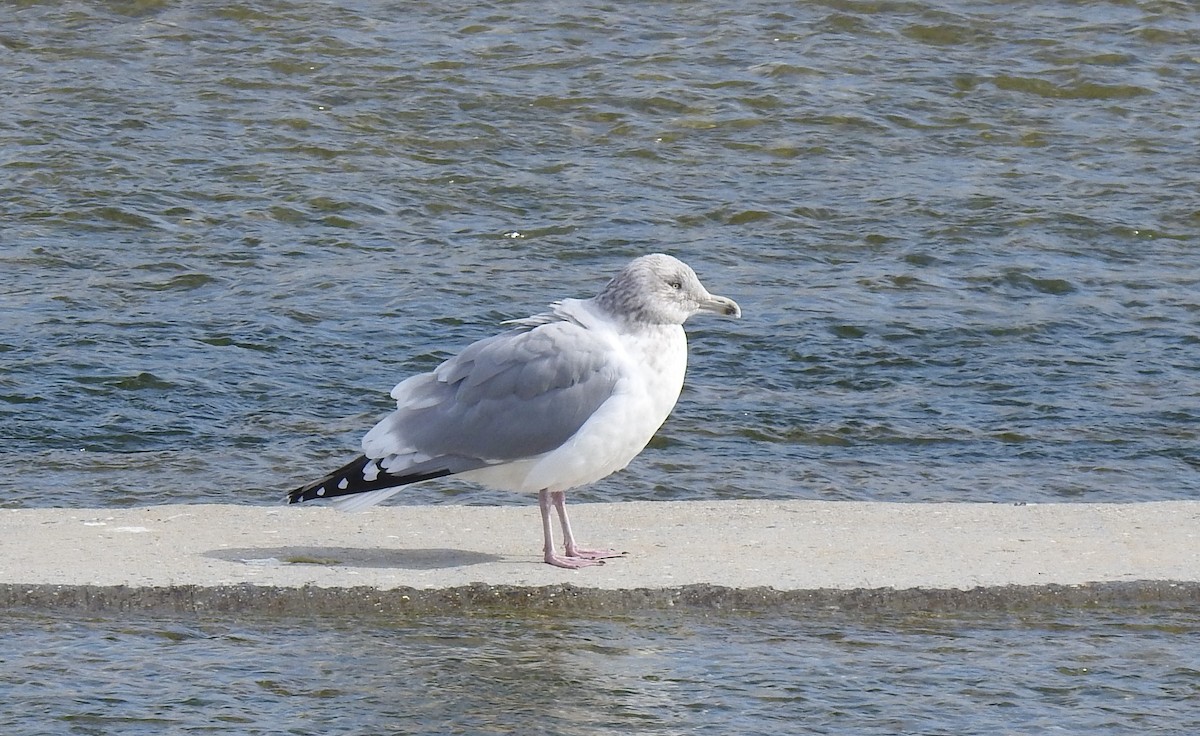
404	559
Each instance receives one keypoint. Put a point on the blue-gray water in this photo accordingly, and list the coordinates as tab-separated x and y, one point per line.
965	236
1055	672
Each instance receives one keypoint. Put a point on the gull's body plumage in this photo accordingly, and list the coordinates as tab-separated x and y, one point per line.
561	400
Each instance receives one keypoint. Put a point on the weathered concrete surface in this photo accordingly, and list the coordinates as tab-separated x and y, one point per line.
717	554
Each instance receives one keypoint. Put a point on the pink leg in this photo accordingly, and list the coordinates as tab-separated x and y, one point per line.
571	562
559	500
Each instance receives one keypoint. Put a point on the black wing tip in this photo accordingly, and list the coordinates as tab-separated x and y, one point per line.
351	478
328	486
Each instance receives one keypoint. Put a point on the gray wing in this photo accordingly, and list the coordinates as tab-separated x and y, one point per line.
512	396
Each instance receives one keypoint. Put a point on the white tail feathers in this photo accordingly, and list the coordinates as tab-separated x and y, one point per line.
363	501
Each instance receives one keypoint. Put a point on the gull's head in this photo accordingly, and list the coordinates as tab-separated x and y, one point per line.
659	289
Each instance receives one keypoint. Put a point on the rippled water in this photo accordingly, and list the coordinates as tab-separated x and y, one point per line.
1091	672
964	235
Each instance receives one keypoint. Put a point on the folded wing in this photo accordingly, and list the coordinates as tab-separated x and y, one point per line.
506	398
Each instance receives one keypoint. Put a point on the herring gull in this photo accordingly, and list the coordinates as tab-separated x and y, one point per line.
562	399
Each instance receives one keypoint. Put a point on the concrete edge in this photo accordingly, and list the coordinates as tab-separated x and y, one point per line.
481	598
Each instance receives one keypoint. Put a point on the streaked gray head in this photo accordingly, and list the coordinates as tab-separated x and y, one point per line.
659	289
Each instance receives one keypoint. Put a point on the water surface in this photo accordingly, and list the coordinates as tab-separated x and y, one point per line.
1054	671
964	235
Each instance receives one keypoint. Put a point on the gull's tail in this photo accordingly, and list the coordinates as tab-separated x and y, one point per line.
360	475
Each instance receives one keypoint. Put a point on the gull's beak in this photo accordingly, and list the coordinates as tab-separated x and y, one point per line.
721	305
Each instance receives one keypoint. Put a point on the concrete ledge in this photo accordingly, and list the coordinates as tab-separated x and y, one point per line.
569	599
721	555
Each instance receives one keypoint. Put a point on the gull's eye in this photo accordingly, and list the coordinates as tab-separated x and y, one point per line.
676	285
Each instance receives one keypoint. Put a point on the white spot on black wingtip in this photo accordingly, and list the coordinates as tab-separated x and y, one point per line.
321	491
344	484
370	471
